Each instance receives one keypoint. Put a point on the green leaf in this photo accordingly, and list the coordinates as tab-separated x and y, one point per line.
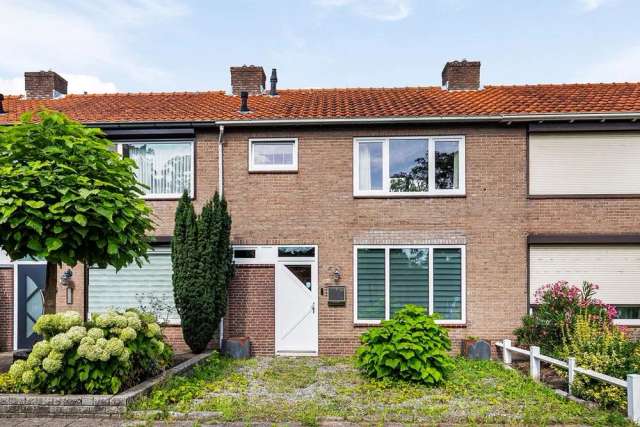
80	219
112	248
33	224
105	212
53	243
36	204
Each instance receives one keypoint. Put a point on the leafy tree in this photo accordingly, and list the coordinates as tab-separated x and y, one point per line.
66	196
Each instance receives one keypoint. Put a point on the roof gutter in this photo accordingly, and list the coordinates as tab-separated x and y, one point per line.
506	118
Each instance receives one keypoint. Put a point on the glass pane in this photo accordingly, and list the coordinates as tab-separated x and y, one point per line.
244	253
447	283
447	165
29	329
408	165
302	272
409	278
164	168
370	165
628	312
273	153
296	252
371	284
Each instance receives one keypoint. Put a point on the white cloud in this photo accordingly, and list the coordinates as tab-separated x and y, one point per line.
623	66
78	83
12	86
591	5
382	10
86	39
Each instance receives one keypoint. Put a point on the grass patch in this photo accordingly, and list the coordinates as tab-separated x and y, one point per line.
284	374
277	390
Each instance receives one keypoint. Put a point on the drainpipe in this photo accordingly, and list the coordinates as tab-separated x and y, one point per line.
220	160
220	192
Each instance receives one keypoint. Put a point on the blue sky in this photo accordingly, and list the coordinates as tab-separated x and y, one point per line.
168	45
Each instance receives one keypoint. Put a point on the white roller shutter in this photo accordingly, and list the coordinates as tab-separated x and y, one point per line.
615	268
133	286
584	163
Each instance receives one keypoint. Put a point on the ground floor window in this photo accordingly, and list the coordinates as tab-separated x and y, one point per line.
389	277
615	268
148	287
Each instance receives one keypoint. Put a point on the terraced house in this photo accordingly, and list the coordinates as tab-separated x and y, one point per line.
349	203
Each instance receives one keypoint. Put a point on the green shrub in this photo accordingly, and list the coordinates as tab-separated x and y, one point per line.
410	346
557	306
602	347
202	268
112	351
7	384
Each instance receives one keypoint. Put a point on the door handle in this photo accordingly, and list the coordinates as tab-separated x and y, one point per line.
313	307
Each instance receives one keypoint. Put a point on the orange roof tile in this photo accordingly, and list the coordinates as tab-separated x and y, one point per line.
364	103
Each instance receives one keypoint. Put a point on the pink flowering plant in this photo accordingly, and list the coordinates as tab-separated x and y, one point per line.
556	307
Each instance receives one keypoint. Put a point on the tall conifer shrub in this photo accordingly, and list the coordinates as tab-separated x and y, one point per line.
202	268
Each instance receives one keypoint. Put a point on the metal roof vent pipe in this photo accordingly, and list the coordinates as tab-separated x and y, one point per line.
274	81
1	101
244	102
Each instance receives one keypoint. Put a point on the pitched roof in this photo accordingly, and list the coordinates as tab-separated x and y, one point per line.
356	103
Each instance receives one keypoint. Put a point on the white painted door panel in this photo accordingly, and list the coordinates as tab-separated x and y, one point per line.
296	308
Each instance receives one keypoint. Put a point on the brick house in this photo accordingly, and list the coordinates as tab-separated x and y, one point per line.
349	203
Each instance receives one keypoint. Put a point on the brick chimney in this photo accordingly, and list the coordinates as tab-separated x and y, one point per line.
248	78
461	75
44	85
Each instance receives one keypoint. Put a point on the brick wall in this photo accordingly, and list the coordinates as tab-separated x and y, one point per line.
251	308
248	78
41	84
6	309
77	284
316	206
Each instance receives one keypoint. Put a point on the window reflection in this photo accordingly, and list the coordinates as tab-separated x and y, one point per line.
408	165
447	165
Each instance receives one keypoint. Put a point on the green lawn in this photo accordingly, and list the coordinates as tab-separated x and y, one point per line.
307	389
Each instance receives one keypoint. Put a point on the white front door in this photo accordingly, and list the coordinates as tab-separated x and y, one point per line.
296	308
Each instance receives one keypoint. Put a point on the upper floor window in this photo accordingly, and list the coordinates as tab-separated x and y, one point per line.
165	167
584	164
273	155
408	166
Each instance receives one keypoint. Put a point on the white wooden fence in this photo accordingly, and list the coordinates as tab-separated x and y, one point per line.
631	385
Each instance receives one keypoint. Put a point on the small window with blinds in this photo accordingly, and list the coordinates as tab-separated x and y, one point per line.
148	287
387	278
164	167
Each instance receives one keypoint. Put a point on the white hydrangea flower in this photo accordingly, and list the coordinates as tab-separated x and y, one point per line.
95	333
17	369
77	333
128	334
28	377
61	342
41	349
114	346
51	365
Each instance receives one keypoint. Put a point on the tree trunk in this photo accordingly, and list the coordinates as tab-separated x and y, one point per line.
51	288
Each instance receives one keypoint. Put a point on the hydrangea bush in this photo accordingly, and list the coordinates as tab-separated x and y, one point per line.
111	351
410	346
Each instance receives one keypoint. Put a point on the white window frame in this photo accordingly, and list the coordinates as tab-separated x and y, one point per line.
168	196
274	168
387	285
432	192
